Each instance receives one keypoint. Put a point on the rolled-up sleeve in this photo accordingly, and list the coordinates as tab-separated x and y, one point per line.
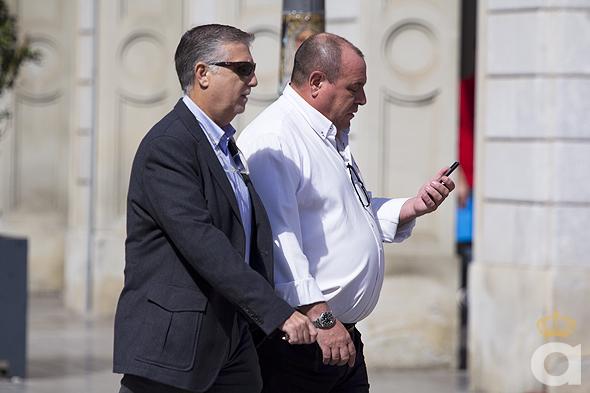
386	211
276	179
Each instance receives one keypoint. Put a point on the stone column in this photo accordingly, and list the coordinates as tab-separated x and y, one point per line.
532	255
125	82
79	240
6	151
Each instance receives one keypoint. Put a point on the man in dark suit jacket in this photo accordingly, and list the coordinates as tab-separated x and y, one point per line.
199	246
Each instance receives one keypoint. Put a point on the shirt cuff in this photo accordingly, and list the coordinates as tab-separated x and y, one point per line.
387	212
300	293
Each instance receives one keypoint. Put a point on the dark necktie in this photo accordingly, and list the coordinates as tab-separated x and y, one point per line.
237	159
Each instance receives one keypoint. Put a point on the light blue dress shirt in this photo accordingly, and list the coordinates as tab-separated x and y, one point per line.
218	138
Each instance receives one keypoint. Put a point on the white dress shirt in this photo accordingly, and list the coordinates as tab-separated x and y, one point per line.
219	138
328	246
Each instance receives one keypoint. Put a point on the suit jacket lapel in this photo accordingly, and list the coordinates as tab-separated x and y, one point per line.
206	151
260	225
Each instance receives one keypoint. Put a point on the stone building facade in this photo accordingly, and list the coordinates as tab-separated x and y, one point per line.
107	75
532	255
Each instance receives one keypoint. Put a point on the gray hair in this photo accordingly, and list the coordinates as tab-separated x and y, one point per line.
204	44
320	52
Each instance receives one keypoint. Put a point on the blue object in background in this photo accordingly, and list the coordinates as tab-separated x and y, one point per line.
465	222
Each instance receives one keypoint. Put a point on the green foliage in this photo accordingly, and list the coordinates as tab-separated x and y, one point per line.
12	53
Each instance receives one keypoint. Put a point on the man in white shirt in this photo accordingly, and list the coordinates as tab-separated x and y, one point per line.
327	229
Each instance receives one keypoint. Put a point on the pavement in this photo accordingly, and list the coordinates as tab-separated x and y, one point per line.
68	353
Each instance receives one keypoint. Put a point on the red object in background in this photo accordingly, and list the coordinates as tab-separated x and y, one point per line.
466	127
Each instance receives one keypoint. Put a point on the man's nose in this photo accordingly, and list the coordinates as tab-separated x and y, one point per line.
253	82
361	97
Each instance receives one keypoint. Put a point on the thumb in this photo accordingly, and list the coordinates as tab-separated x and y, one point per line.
351	361
440	173
312	328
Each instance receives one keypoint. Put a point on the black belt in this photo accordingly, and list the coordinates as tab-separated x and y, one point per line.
349	326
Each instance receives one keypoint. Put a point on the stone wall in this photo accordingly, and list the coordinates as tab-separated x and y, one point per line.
533	199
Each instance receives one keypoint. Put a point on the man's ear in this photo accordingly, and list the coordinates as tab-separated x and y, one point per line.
202	75
316	80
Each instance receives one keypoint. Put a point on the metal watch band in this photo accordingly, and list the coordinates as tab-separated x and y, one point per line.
326	320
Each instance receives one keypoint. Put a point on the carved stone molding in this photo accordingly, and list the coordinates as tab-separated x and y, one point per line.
151	7
41	82
392	102
142	60
400	99
266	69
411	47
399	40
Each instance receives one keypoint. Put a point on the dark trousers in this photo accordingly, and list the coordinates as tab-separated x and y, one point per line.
240	374
299	369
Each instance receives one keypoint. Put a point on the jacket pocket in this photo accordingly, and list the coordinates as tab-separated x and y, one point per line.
169	333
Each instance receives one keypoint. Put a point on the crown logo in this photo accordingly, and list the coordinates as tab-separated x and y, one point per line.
556	325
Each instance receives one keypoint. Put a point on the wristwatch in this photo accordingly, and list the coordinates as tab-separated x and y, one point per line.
326	320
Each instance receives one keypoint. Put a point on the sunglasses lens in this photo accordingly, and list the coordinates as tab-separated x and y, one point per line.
242	68
245	69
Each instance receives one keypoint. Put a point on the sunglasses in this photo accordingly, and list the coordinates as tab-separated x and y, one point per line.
359	187
244	69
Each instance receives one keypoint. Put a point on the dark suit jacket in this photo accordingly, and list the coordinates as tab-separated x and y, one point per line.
185	275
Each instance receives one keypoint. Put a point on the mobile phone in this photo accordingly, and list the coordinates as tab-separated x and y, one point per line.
453	166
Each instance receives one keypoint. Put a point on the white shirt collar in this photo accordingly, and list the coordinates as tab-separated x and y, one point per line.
318	122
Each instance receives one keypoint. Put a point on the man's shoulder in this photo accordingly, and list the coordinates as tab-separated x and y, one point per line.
278	121
171	126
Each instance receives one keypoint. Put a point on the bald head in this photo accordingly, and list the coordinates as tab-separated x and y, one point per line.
320	52
330	74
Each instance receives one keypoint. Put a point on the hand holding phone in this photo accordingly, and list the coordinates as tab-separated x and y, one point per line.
453	166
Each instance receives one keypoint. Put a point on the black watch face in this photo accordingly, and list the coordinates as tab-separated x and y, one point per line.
326	320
